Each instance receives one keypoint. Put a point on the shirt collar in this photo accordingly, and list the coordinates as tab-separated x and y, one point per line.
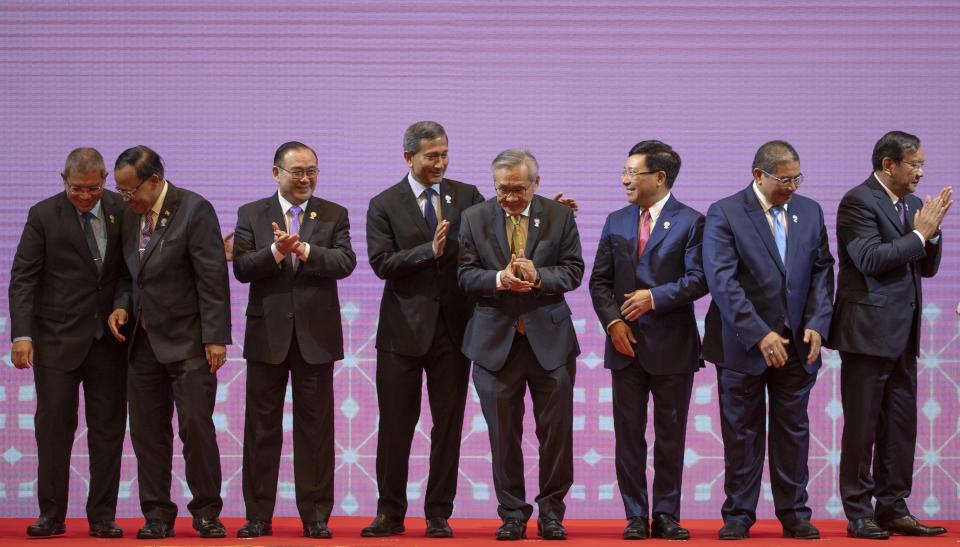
417	187
657	207
525	213
96	210
893	197
763	199
158	205
286	205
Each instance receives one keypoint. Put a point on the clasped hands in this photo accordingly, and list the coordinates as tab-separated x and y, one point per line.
520	275
927	220
774	347
288	243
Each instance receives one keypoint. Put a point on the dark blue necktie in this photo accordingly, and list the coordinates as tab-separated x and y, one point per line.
91	239
429	213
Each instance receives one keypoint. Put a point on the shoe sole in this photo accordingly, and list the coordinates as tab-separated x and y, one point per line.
439	534
106	536
57	532
169	534
855	536
265	533
394	532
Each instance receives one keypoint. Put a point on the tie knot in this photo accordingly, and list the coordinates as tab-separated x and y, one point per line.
645	213
515	219
87	215
777	210
429	192
295	210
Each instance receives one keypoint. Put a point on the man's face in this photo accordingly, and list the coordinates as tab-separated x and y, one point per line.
430	162
84	189
297	175
905	175
642	187
513	187
140	195
776	192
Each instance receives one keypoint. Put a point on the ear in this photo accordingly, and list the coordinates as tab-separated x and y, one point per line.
661	178
536	183
408	157
758	176
276	173
887	164
64	177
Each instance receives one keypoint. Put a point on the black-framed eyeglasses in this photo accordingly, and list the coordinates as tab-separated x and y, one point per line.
786	181
127	194
633	173
298	173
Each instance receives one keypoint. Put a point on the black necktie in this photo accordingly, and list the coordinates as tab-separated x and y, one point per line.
91	240
429	213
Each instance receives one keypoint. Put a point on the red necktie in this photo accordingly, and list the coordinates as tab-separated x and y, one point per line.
644	235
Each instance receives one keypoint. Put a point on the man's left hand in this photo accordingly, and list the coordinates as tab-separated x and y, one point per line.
216	356
638	303
812	338
524	267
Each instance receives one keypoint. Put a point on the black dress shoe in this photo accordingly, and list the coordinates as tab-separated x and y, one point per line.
155	529
209	527
801	530
512	529
637	528
105	529
866	528
383	526
667	527
733	530
46	527
551	529
438	527
255	528
317	530
910	526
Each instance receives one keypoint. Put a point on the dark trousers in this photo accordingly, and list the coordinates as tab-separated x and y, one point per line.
399	386
632	387
879	428
154	388
103	374
313	441
742	418
501	399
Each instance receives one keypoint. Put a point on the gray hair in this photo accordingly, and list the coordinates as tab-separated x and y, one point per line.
515	156
84	160
773	153
419	131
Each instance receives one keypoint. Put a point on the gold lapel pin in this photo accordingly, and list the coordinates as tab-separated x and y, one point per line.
111	219
313	215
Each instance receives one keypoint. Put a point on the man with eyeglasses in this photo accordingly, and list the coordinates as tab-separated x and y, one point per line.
888	240
519	255
180	321
770	272
291	248
647	274
66	273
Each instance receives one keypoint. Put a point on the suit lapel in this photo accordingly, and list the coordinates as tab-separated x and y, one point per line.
498	219
533	226
660	229
71	223
754	211
795	217
110	216
631	232
171	203
407	202
886	205
309	223
448	203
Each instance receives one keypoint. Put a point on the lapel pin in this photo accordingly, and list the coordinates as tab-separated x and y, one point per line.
111	219
163	222
313	215
794	219
448	198
666	224
536	223
166	212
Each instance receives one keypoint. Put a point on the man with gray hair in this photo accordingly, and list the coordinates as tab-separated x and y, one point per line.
66	273
521	334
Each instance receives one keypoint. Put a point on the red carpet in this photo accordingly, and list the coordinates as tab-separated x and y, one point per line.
346	532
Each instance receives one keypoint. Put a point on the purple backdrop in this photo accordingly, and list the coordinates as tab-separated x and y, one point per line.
215	88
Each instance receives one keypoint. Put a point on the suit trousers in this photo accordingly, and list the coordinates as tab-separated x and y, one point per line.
632	387
501	399
880	427
154	389
103	374
313	440
742	419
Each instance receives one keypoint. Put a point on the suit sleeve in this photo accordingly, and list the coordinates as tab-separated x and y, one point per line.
210	273
693	284
858	231
25	276
721	263
249	263
931	262
819	310
386	258
567	274
336	261
472	276
602	280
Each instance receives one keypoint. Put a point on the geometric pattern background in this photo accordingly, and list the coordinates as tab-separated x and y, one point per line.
216	87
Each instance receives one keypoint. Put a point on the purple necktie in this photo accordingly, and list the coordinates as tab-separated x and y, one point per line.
294	228
146	233
902	213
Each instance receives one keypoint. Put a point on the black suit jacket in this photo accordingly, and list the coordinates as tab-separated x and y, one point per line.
420	289
879	295
56	296
553	244
282	297
180	288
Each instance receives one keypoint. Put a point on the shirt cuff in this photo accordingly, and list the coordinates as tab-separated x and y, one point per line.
923	240
277	255
610	324
23	339
500	286
306	253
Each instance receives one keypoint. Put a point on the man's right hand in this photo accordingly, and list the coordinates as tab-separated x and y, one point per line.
440	237
927	221
21	354
286	243
623	338
774	349
509	281
117	320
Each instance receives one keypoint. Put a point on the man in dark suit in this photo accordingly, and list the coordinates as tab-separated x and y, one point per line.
888	239
647	274
180	311
422	317
64	279
291	247
519	254
770	272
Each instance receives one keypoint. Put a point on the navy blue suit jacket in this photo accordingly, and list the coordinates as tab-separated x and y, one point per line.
753	292
671	266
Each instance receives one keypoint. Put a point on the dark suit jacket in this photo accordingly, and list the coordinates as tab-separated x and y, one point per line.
181	287
281	297
420	289
668	341
553	244
753	293
879	294
56	295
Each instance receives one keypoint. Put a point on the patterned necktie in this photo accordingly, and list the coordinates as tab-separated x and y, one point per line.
429	213
91	239
146	233
294	228
901	213
779	233
517	243
643	235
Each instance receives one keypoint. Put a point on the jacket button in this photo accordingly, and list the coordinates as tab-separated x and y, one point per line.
289	315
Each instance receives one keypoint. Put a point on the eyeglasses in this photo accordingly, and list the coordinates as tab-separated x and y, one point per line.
84	190
434	156
633	173
916	165
511	190
786	181
298	174
127	194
